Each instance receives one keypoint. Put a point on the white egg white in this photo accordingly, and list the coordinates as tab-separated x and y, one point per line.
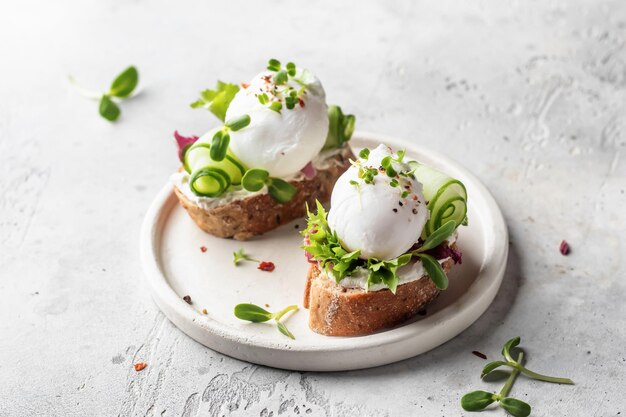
374	218
281	143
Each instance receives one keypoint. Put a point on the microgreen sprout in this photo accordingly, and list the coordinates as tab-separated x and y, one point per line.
364	154
121	88
367	174
479	400
387	165
240	255
256	314
221	139
280	190
510	362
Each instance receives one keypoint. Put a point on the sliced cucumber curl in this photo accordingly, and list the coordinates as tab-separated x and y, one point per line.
446	196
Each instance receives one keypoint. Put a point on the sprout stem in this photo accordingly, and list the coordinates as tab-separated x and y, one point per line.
94	95
281	313
545	378
509	382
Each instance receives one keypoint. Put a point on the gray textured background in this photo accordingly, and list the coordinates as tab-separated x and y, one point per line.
531	96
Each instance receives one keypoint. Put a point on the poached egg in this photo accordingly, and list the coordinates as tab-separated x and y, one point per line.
281	143
374	217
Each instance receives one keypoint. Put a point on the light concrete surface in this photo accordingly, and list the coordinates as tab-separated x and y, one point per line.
531	96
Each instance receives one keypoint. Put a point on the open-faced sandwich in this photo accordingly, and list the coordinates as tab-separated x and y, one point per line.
280	146
383	250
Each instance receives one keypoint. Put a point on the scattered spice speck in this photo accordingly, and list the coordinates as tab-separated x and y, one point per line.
266	266
479	354
140	366
267	305
203	248
187	299
204	311
564	248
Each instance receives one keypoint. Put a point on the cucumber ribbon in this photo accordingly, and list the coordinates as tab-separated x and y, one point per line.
446	196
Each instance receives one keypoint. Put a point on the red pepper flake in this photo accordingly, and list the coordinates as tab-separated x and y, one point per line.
300	102
140	366
564	248
203	248
245	85
479	354
187	299
266	266
204	311
414	197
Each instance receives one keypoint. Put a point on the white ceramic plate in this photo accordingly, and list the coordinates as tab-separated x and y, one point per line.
175	266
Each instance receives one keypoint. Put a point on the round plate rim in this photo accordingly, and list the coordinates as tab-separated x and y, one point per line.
213	334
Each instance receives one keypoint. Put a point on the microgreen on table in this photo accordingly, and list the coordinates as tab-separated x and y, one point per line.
256	314
479	400
240	255
121	88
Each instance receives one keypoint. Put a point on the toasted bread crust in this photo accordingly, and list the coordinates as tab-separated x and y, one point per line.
337	311
248	217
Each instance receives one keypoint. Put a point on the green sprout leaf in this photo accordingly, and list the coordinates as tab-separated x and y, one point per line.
276	106
281	77
477	400
273	65
219	145
254	179
283	329
281	190
125	83
291	69
238	123
108	109
438	236
434	271
240	255
387	164
217	100
510	344
515	407
252	312
364	154
256	314
492	366
263	98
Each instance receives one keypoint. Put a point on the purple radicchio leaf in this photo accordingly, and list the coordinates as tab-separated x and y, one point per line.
309	171
183	142
444	251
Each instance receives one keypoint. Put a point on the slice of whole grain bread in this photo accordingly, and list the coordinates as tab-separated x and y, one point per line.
260	213
338	311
